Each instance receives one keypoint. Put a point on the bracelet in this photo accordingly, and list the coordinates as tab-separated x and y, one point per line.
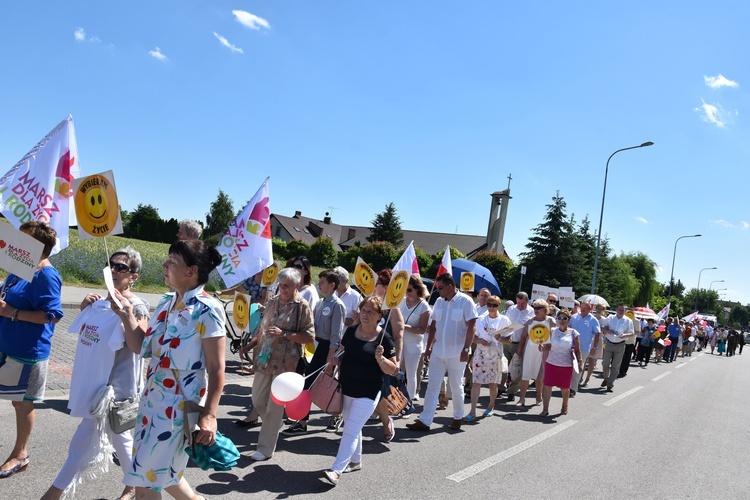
14	317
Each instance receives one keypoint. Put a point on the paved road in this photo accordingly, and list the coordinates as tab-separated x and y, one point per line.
668	431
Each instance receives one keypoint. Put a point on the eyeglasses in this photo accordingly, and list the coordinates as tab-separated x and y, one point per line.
299	266
492	305
562	318
119	267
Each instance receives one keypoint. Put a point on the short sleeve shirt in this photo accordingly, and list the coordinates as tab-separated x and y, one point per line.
451	320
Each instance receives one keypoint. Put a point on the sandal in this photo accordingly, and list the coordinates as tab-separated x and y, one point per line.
544	413
19	467
521	402
391	432
469	418
564	410
487	413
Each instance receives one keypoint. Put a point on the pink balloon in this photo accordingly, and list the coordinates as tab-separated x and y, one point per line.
278	402
661	328
667	342
298	408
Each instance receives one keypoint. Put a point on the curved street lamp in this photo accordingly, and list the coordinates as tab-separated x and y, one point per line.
671	276
712	284
699	284
601	214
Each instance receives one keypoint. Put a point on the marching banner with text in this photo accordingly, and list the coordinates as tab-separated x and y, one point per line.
39	186
246	247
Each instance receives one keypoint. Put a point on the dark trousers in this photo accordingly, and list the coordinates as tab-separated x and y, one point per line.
644	353
317	361
629	348
671	351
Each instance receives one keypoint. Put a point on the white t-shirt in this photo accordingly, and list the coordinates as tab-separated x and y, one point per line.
451	319
486	325
351	299
310	294
100	334
521	317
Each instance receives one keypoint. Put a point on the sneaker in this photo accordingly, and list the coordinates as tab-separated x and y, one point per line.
331	476
352	467
334	424
295	429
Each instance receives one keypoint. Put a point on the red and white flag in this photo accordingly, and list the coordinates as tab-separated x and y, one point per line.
446	265
408	261
246	247
664	312
40	185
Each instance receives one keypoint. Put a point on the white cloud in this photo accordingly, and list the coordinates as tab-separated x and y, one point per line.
641	219
722	223
716	82
712	114
250	20
79	35
745	224
157	54
228	45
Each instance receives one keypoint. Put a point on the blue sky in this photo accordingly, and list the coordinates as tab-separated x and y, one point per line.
427	104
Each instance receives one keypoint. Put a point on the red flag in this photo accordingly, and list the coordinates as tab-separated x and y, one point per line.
445	265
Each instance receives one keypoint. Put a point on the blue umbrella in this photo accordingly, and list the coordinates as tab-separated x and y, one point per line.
482	276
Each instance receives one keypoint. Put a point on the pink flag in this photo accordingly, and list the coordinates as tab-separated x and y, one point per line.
246	247
40	185
446	265
408	261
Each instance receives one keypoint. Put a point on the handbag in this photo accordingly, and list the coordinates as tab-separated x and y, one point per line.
326	393
191	414
122	414
397	397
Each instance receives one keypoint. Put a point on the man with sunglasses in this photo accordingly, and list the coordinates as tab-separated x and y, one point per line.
519	314
450	334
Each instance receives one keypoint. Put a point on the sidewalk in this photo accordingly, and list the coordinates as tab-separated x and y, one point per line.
64	344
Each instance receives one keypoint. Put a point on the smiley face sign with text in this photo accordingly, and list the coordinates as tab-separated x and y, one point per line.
539	333
396	289
97	208
364	277
467	282
241	311
270	274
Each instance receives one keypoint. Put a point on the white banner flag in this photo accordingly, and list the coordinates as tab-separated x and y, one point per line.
408	261
246	247
39	186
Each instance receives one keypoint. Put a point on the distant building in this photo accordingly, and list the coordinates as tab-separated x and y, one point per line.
308	230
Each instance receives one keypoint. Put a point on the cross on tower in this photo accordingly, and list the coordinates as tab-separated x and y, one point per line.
510	178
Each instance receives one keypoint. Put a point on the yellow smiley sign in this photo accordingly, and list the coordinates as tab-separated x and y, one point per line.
467	282
364	277
539	333
241	311
396	289
97	208
630	314
270	273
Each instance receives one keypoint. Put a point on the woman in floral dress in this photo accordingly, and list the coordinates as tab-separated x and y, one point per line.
185	341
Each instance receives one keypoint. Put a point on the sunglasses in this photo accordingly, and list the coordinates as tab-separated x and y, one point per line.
440	287
538	307
492	305
409	289
299	266
562	318
119	267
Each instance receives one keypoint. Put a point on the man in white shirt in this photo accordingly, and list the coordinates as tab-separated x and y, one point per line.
520	314
350	297
451	332
482	297
616	330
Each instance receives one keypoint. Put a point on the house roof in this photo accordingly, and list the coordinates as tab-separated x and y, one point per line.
308	230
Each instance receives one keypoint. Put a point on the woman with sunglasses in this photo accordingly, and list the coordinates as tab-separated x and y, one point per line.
102	358
306	288
416	312
485	365
563	351
531	353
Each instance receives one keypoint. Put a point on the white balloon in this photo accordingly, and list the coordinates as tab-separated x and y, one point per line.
287	386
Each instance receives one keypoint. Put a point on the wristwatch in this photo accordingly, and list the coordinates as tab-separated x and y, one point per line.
467	349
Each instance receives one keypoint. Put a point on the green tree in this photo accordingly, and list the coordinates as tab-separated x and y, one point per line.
379	255
322	253
386	226
424	260
551	257
279	249
438	258
220	216
295	248
498	264
619	284
143	223
644	270
348	258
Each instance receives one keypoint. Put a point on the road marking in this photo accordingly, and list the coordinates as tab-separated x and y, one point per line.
504	455
692	359
623	396
680	366
660	377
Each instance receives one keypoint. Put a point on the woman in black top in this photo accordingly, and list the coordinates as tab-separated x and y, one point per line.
368	353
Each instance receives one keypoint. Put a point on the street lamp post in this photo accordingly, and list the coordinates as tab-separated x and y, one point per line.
720	289
699	285
671	275
601	214
709	295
